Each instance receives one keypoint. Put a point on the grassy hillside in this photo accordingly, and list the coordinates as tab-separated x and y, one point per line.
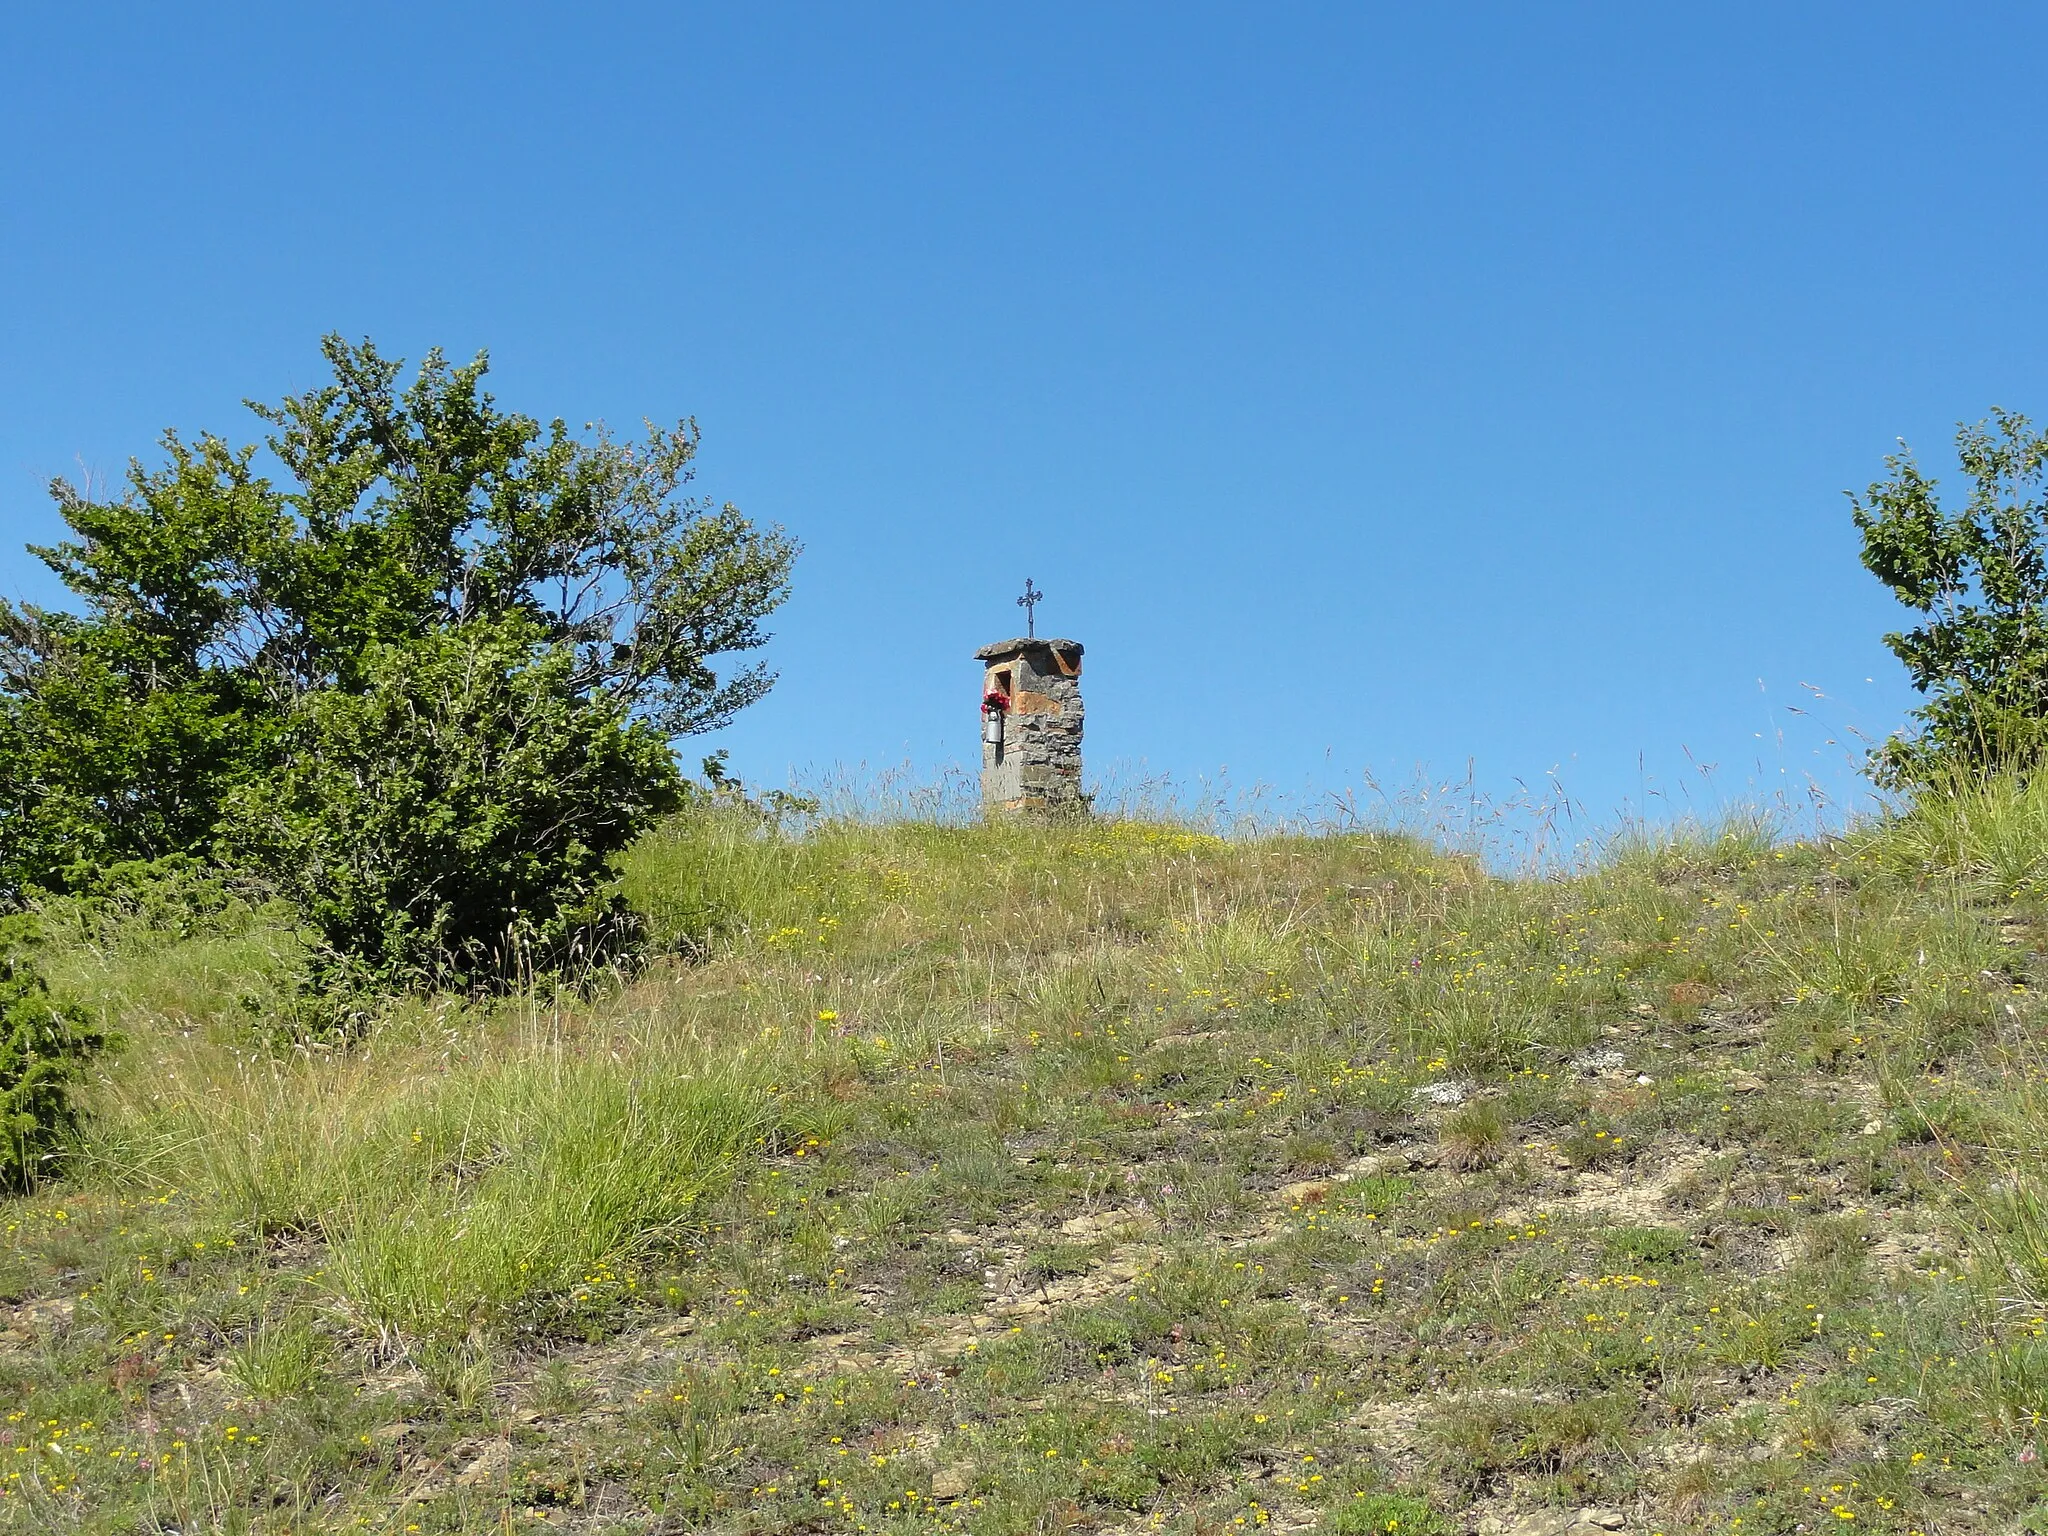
1109	1177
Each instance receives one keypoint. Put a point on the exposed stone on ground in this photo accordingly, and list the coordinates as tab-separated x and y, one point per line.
493	1462
1632	1197
1554	1522
954	1482
47	1315
1102	1223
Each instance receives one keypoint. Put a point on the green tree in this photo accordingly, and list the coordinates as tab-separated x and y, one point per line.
43	1049
120	727
240	612
1979	573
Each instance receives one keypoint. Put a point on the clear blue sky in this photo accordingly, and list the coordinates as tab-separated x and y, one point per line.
1366	387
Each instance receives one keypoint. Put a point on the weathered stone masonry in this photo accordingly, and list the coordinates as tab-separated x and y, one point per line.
1037	764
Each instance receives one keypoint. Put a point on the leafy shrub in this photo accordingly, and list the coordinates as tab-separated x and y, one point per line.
174	897
43	1047
456	819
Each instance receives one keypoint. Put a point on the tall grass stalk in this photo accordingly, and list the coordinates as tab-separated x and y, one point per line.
450	1192
1989	831
525	1180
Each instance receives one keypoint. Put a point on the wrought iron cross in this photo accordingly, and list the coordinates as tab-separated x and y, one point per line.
1028	602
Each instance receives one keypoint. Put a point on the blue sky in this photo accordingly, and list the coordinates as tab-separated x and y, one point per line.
1367	388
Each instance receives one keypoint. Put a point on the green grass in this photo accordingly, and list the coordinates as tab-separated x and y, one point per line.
1099	1177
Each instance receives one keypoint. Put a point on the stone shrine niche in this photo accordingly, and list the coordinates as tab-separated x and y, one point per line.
1031	726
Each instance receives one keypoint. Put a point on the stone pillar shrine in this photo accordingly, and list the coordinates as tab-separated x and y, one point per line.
1031	726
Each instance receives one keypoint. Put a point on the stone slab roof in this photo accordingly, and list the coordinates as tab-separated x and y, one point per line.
1012	647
